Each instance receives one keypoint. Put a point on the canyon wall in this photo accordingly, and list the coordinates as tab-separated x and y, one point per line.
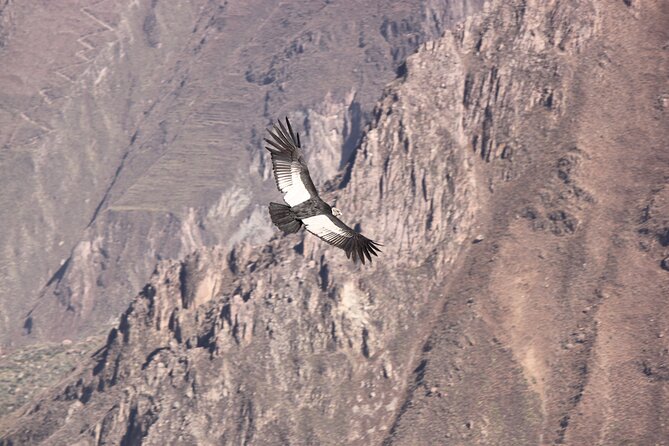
516	173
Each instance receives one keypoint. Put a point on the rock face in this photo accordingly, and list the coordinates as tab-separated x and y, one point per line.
128	129
516	173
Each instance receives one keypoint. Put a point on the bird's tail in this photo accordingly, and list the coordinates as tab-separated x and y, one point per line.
284	218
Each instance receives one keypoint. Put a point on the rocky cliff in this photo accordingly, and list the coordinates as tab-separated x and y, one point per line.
516	172
131	130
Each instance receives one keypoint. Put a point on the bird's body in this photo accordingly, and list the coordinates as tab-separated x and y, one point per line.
311	207
304	206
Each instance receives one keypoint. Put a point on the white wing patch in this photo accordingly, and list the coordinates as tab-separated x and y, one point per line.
288	165
282	174
297	193
321	226
288	180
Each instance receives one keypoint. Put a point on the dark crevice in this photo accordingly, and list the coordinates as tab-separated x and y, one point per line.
105	196
365	345
352	132
208	340
469	82
347	172
133	435
324	274
226	314
232	261
148	291
86	394
423	185
104	354
28	325
420	371
124	326
402	71
60	273
183	285
152	355
663	237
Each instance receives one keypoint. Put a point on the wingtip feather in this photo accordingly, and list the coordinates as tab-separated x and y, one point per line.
278	136
367	253
360	253
292	135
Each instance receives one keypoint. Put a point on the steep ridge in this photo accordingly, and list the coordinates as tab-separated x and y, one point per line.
519	298
266	336
554	330
126	126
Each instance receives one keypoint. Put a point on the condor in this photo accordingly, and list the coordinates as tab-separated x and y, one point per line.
304	206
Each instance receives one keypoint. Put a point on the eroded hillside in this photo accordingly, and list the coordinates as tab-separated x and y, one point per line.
130	132
516	174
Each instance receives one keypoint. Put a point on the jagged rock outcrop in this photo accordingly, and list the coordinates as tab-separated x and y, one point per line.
329	339
519	298
550	324
122	123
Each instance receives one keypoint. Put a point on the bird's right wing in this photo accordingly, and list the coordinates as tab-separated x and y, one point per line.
329	228
290	169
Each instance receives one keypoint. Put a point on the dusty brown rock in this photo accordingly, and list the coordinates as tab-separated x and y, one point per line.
546	332
572	306
132	129
261	309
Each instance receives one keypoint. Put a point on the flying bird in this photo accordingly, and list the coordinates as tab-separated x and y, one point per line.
303	205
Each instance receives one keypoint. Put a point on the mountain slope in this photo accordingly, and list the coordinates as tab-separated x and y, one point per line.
303	308
561	309
132	130
519	298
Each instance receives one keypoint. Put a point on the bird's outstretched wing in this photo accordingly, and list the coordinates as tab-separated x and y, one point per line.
332	230
290	169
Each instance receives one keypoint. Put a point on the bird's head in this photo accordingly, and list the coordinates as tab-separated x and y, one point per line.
336	212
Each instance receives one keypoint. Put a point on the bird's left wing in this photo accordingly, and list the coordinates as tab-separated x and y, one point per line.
332	230
290	170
